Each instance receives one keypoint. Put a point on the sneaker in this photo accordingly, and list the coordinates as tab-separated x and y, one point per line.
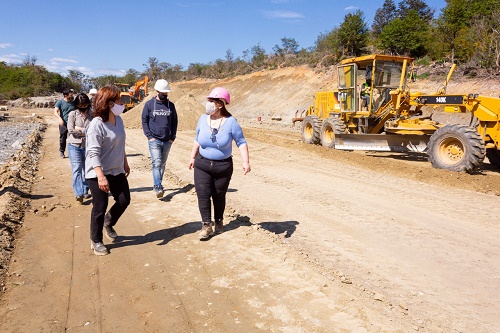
99	248
219	227
87	196
206	231
61	154
110	233
79	199
159	193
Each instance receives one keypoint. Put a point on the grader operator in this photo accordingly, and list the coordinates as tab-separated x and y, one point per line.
390	118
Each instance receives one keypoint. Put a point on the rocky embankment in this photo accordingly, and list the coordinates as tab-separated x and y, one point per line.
20	138
30	102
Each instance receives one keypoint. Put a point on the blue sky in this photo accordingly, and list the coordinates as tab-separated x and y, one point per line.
110	37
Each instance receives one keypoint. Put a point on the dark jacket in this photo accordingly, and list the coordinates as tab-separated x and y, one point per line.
159	120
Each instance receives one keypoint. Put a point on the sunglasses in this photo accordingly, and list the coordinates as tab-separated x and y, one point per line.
214	133
213	136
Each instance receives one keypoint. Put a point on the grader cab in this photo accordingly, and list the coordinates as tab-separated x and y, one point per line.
373	109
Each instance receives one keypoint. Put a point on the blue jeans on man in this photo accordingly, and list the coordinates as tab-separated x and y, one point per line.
77	159
159	153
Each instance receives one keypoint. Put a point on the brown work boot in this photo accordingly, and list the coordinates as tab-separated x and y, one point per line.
206	231
219	227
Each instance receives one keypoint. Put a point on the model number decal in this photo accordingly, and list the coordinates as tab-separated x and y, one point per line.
448	100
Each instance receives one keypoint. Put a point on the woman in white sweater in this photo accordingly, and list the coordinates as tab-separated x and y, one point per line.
106	166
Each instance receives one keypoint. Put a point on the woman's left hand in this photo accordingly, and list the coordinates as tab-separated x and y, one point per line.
127	169
246	168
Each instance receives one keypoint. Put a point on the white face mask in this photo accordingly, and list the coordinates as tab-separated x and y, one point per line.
117	109
210	108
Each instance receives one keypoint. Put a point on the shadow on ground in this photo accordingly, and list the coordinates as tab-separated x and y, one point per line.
166	235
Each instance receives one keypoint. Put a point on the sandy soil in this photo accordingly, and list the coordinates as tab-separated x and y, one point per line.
316	240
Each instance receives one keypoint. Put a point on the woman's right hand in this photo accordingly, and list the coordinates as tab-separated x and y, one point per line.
103	184
191	164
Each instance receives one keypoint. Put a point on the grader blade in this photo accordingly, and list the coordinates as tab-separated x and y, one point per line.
382	142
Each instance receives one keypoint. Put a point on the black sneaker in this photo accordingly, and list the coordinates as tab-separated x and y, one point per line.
79	199
99	248
110	233
87	196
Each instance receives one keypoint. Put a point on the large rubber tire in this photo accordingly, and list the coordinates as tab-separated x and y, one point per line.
310	129
493	155
329	128
456	148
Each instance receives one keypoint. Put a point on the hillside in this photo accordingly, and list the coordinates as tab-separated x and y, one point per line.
280	93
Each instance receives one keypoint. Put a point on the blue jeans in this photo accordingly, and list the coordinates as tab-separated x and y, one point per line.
159	153
77	160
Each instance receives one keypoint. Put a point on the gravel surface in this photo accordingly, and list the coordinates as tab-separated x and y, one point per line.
13	134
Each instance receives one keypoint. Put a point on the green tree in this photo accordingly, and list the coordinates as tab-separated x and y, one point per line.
353	34
288	46
424	11
456	25
77	78
485	36
153	69
406	36
383	16
451	22
328	47
131	77
258	55
29	60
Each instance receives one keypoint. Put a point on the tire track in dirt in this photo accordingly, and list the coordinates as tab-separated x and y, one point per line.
377	236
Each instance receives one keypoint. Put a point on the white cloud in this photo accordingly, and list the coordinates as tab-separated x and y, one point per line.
5	45
55	61
111	71
283	14
50	49
351	8
10	58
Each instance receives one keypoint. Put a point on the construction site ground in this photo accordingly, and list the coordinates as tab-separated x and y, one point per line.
316	240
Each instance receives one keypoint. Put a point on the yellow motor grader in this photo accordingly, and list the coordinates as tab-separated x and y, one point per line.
386	116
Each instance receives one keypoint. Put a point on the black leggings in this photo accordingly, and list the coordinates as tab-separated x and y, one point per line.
211	180
119	188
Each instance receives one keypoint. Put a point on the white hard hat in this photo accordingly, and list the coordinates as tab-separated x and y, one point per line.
162	86
93	91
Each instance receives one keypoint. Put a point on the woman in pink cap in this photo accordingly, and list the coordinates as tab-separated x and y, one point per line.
211	158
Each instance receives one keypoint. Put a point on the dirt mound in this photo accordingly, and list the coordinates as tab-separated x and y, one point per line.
266	94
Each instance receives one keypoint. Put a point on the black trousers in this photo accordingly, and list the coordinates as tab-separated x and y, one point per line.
211	181
120	191
63	135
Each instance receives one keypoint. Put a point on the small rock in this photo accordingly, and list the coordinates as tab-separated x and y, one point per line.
345	280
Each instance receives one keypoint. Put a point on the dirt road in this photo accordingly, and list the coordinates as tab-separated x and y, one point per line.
316	241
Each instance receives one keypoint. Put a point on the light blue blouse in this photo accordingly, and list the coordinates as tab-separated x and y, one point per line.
220	145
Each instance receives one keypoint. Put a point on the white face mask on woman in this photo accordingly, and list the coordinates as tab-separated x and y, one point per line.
117	109
210	108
